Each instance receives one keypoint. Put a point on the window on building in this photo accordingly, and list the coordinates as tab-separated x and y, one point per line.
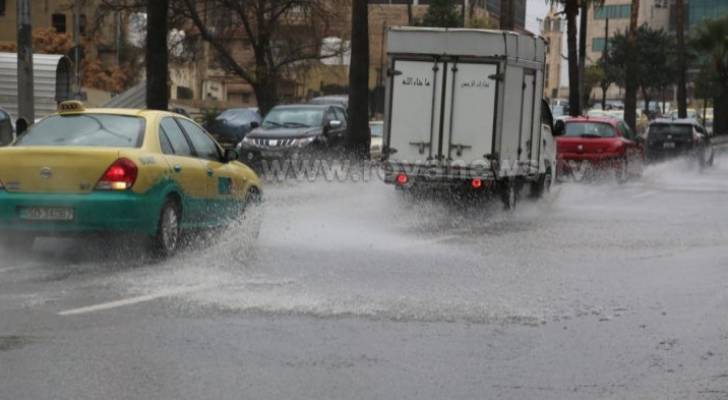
59	22
598	44
613	11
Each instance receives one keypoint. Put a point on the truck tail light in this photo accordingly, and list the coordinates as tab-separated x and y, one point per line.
121	175
402	179
476	183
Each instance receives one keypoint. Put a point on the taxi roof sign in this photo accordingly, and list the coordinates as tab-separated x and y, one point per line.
71	106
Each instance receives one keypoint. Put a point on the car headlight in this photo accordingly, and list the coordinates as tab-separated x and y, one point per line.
247	140
303	141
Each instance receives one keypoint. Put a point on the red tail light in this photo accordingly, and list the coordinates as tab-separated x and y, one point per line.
402	179
476	183
121	175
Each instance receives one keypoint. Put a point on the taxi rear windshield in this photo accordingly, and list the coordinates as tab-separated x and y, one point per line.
92	130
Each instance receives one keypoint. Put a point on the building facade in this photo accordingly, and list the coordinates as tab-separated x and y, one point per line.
552	29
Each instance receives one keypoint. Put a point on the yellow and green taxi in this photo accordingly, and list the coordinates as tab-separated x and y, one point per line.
145	172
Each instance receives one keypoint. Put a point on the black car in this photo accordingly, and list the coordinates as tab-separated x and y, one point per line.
231	126
668	138
293	129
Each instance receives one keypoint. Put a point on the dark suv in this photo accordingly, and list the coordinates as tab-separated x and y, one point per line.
291	130
667	138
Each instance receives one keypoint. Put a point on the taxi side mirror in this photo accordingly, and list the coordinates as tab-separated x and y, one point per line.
231	155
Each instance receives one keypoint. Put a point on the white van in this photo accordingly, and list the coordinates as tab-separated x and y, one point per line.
464	108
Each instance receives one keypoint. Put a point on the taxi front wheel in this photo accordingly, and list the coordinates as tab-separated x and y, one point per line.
167	239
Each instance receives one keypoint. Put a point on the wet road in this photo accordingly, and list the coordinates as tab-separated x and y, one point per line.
600	291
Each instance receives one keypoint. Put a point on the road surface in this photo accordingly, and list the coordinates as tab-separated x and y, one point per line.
600	291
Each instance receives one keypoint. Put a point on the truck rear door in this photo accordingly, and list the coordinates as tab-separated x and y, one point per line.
470	109
414	118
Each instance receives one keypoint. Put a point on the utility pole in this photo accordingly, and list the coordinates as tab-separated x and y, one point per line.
77	46
584	8
26	104
605	62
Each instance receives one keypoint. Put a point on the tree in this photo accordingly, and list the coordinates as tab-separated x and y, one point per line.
593	75
711	38
653	58
631	84
442	13
682	96
358	141
571	9
279	36
156	50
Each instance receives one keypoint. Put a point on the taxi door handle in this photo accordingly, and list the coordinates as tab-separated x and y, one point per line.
177	168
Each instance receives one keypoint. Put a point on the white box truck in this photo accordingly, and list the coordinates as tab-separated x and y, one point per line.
464	109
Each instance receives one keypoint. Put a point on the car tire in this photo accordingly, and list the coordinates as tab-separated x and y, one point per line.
622	174
251	211
542	185
509	194
168	237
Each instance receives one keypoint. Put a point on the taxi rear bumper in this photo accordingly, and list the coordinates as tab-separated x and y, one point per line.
91	212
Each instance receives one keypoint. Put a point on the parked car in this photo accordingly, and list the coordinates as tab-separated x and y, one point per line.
7	128
376	128
338	100
231	126
148	173
592	145
294	129
668	138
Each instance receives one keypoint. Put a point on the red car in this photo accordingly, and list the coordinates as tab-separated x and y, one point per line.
590	145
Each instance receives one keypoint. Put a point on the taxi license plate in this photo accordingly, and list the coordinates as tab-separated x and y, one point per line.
668	145
46	213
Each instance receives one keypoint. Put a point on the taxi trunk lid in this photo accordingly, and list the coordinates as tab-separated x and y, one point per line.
53	169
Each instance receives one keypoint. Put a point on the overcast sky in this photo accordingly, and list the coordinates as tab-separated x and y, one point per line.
535	9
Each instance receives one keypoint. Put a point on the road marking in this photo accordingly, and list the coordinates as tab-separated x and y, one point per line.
132	300
641	195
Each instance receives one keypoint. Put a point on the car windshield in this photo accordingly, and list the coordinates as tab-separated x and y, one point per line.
236	115
662	131
293	117
376	129
92	130
589	129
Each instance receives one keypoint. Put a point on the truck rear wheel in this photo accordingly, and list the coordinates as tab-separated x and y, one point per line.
509	193
542	185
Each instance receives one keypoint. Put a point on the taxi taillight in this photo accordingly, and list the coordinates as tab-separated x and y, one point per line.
121	175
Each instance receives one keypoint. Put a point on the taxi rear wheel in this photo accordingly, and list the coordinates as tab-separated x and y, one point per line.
167	240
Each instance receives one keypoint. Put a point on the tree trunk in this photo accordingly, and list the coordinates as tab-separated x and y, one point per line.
410	17
156	55
574	99
720	112
582	54
357	143
506	15
682	96
631	84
